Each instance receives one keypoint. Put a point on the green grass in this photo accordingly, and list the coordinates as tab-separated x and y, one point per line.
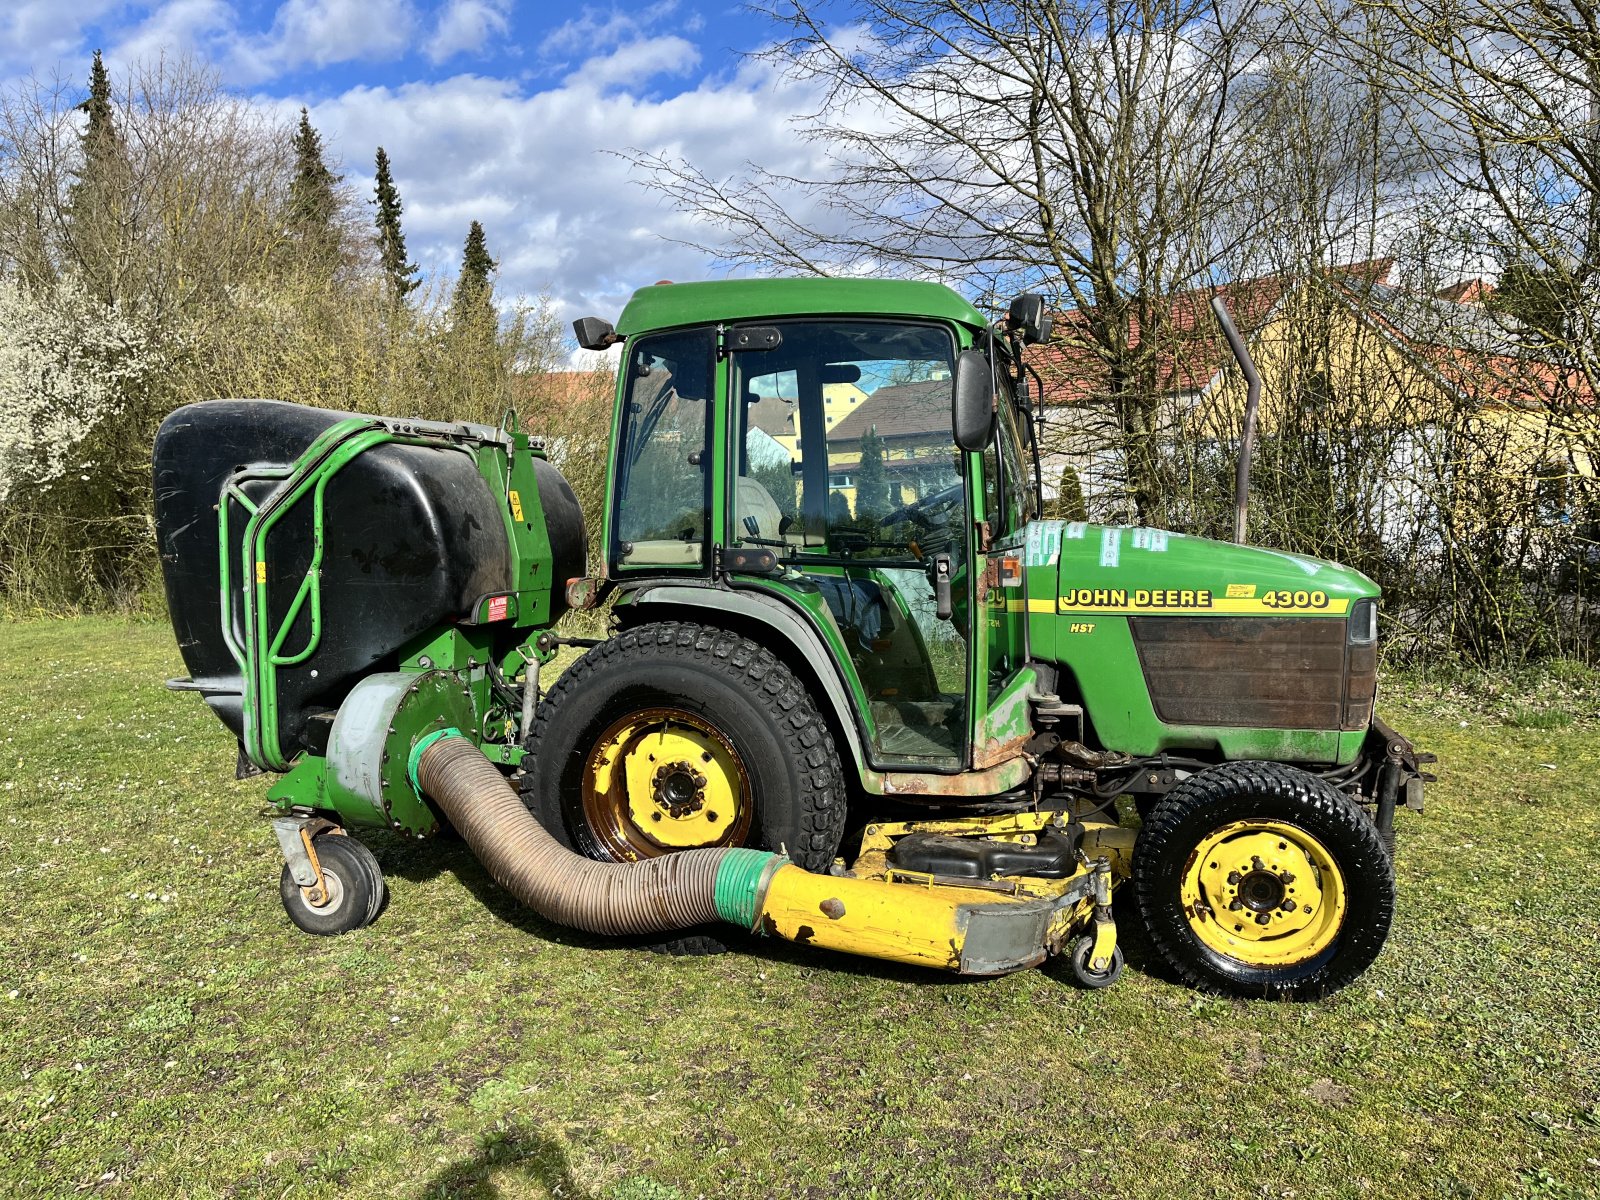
166	1032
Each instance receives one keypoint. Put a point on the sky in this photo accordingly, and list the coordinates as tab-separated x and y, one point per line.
509	112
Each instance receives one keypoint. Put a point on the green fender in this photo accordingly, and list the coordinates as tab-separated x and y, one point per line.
785	623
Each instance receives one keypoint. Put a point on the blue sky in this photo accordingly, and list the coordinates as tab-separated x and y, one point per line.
503	111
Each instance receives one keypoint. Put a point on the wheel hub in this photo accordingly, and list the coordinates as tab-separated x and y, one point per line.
664	779
1264	892
679	789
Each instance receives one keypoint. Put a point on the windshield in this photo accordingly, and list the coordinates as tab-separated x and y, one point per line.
846	428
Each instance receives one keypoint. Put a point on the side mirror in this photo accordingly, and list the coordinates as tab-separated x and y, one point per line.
1028	314
972	407
593	333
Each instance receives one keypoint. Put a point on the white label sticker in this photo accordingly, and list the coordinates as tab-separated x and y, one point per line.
1044	543
1110	547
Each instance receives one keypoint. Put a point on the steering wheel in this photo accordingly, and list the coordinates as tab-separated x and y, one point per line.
923	513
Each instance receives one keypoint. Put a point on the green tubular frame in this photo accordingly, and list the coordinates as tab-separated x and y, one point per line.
262	655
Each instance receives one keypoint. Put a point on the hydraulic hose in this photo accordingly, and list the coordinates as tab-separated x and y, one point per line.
657	895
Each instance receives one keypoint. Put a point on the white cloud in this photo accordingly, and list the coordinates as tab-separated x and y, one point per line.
635	62
329	31
35	32
560	210
591	30
203	27
465	25
303	32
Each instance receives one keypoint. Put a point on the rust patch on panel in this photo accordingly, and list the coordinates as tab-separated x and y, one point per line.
1252	672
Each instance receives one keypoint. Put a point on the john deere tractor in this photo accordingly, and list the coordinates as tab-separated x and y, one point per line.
856	692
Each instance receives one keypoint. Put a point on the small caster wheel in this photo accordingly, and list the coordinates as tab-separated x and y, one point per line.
355	889
1081	951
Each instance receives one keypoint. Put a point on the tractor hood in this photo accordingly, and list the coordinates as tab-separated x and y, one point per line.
1076	567
1186	644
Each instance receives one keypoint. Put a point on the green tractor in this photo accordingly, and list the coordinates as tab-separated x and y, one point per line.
856	692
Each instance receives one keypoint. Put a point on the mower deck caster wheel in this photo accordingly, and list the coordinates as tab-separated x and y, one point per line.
1081	950
355	889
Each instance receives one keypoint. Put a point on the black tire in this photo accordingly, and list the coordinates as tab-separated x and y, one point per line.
1205	806
355	889
732	684
1094	979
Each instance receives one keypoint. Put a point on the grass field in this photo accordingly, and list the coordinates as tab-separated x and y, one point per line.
167	1033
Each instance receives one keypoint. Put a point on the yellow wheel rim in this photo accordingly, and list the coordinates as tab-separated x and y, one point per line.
1264	893
664	779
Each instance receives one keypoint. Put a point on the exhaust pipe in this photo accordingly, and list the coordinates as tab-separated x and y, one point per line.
927	925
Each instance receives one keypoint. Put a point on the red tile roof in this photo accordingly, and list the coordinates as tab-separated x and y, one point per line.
1468	291
900	410
1193	350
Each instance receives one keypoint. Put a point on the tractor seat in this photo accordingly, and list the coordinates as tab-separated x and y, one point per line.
754	502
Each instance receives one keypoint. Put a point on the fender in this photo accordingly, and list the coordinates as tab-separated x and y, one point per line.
782	620
779	618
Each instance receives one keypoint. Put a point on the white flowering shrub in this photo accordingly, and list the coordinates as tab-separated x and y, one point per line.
67	363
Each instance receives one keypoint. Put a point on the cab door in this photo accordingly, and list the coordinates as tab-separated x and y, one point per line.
1009	501
847	471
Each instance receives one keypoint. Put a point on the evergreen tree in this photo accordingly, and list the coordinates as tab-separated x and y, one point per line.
312	201
1542	300
872	483
391	241
473	301
94	203
100	142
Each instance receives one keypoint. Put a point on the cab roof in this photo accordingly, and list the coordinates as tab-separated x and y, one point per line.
667	305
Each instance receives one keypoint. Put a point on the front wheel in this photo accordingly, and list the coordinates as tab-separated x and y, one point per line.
1258	879
353	889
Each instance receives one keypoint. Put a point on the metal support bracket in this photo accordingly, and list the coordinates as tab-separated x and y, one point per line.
295	836
1105	926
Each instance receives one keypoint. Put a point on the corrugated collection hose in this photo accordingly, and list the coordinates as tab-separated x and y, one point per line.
657	895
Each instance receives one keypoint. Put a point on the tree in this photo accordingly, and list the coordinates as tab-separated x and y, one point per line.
313	199
96	205
100	142
1509	98
391	241
1089	148
473	301
872	483
1541	300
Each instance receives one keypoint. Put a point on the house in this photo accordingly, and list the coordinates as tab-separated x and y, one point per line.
1428	390
912	423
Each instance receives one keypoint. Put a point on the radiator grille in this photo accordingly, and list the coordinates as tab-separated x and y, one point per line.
1255	672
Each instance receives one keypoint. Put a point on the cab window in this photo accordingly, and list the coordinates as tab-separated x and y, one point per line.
663	501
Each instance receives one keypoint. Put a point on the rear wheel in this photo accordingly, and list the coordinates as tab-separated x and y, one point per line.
1257	879
674	735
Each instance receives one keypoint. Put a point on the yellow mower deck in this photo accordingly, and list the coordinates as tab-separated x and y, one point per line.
972	926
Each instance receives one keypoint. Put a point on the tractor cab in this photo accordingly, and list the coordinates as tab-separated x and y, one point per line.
814	458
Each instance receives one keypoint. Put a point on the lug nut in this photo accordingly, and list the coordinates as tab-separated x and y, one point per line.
1255	861
1287	906
1262	918
1235	905
1287	878
1234	877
